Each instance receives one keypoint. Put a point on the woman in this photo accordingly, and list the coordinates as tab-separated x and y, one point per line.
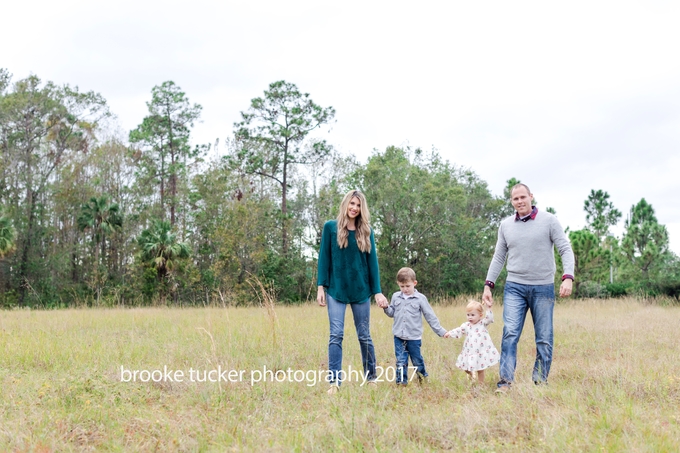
348	274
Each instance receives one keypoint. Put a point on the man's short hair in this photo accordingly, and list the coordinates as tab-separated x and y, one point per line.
406	274
518	185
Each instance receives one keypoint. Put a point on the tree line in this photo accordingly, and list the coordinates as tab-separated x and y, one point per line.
93	216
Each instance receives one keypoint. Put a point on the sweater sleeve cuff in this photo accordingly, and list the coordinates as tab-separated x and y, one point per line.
566	276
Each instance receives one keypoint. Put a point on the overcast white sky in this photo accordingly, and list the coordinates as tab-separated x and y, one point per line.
565	96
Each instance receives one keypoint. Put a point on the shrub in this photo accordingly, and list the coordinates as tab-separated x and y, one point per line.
590	289
617	289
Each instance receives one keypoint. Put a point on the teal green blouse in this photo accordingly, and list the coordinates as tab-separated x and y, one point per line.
349	275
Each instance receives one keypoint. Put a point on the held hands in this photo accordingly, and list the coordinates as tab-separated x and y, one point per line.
447	334
487	297
380	299
565	287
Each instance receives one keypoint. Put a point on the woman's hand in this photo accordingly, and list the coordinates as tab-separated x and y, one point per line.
321	296
381	300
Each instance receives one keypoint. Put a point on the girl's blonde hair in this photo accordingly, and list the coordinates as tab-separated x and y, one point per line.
363	229
474	305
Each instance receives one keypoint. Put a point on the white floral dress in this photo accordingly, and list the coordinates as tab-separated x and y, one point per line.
478	353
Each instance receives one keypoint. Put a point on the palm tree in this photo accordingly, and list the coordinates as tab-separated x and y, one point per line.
161	250
101	218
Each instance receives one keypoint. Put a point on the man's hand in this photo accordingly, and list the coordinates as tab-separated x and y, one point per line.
487	297
565	287
381	300
321	296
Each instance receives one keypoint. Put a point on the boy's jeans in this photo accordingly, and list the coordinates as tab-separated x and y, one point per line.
362	318
517	300
403	349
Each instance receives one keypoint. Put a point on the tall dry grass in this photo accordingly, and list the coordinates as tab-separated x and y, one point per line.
614	385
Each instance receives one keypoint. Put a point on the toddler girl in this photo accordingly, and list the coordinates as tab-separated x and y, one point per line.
478	352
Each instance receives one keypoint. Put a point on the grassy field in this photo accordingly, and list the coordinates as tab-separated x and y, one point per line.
615	384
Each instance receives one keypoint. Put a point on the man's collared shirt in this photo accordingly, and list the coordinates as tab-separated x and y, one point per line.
530	216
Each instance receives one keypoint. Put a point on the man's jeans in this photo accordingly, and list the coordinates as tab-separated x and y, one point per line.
517	299
403	349
362	318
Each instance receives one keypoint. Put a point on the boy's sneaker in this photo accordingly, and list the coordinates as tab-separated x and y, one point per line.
422	379
503	389
372	384
334	388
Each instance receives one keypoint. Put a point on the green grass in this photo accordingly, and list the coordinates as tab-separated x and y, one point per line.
614	385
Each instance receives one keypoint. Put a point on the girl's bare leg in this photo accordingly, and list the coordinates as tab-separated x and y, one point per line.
480	376
469	375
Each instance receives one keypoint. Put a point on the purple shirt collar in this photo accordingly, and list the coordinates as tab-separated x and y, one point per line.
531	216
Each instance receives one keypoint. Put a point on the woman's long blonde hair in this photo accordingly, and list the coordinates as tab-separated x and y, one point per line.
363	229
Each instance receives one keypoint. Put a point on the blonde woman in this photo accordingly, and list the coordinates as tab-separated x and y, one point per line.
348	274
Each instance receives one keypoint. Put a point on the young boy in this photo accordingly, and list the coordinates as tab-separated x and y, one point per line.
407	308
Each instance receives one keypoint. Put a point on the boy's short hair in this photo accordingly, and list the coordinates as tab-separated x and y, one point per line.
406	274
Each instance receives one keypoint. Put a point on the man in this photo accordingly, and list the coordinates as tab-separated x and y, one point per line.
527	240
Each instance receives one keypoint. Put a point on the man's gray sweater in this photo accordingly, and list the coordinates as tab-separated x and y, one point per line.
528	247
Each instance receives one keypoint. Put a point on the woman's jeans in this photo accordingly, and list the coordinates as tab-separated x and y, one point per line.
362	317
517	300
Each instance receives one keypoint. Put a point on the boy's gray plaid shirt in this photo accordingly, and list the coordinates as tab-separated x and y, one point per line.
407	312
